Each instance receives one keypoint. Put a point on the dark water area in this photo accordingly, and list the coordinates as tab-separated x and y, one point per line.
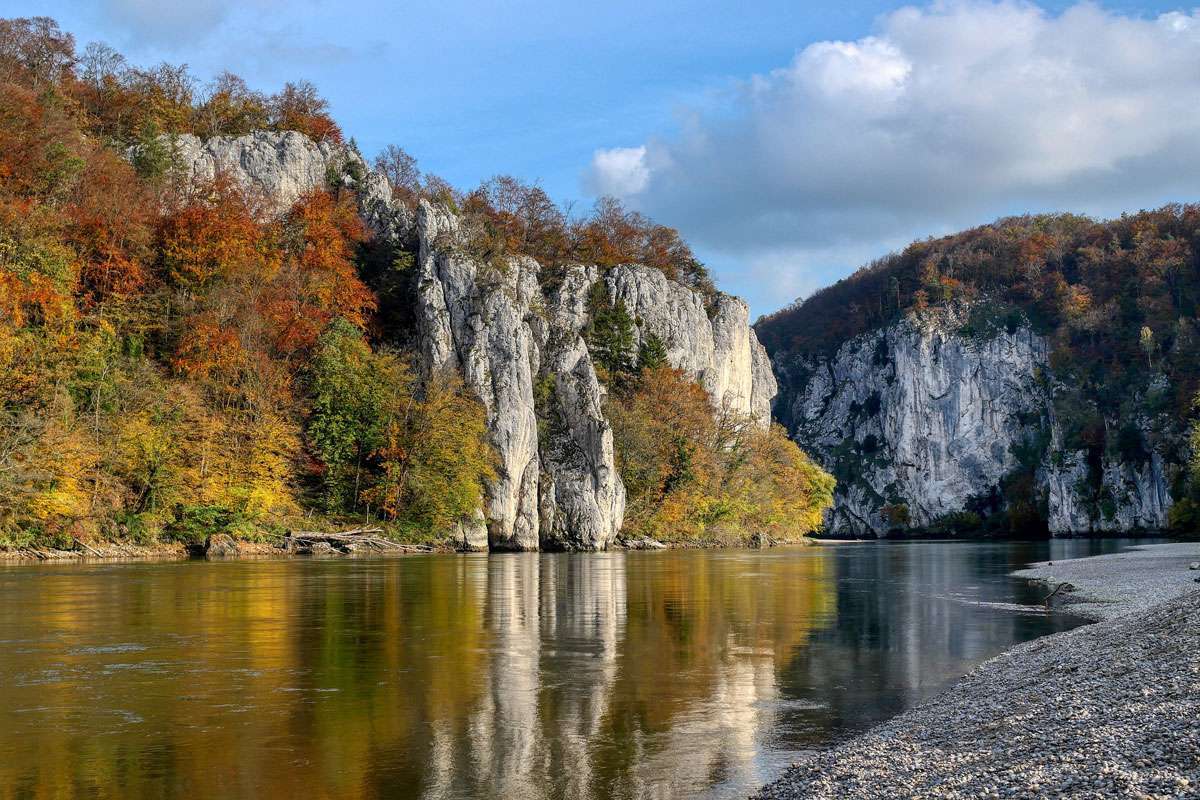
658	675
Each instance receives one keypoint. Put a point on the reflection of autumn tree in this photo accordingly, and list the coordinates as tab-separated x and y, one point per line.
275	658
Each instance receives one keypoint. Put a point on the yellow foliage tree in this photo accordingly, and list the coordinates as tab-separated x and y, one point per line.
693	472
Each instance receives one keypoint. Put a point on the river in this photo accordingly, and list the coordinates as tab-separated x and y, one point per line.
659	675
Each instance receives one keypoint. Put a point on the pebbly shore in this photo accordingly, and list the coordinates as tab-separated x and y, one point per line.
1109	710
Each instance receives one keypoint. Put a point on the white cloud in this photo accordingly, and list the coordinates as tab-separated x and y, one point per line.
620	171
948	115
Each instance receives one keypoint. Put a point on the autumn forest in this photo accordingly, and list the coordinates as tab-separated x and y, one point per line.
176	358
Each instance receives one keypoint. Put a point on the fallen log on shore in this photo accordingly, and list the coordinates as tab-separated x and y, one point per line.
309	542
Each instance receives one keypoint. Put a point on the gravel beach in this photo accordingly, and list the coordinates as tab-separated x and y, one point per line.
1110	710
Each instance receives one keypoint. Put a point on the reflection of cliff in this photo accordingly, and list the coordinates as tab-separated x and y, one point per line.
503	731
532	676
910	619
697	675
584	610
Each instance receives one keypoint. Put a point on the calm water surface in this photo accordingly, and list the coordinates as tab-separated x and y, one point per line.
676	674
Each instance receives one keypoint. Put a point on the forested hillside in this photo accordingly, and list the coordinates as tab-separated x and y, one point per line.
177	357
1115	300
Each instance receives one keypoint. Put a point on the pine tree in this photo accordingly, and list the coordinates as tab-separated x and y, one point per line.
610	334
652	353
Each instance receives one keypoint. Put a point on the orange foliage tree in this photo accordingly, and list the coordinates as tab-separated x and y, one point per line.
318	280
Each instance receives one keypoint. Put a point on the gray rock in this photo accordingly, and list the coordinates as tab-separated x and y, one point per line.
474	318
471	534
721	352
557	485
219	545
276	168
643	543
919	414
583	496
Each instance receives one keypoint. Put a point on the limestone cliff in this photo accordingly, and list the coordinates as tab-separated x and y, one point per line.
719	349
522	349
277	167
518	346
921	421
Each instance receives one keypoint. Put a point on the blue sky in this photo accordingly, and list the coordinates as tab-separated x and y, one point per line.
790	142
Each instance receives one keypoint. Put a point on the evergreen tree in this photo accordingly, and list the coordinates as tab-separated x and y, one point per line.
610	334
652	353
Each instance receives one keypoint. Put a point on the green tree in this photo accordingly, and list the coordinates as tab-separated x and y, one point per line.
652	353
610	333
356	395
152	154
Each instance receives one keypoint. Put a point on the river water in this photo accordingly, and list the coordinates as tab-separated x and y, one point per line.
658	675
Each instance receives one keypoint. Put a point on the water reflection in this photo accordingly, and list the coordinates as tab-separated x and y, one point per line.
530	676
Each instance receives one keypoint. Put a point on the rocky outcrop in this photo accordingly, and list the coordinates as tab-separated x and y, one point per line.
518	347
1116	497
276	168
471	533
477	319
219	545
583	500
557	484
920	421
716	345
522	350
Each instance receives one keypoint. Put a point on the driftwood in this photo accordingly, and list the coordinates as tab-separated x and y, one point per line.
347	541
93	551
1062	587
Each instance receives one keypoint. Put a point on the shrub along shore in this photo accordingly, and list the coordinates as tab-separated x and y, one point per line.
1105	710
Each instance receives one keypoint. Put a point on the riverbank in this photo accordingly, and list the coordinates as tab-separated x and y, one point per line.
1105	710
169	551
124	551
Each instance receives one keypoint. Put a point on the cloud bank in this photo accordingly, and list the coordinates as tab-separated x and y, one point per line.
947	116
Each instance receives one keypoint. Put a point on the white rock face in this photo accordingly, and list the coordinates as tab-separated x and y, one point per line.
1129	496
583	501
920	415
557	484
720	352
471	534
475	319
278	167
524	354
